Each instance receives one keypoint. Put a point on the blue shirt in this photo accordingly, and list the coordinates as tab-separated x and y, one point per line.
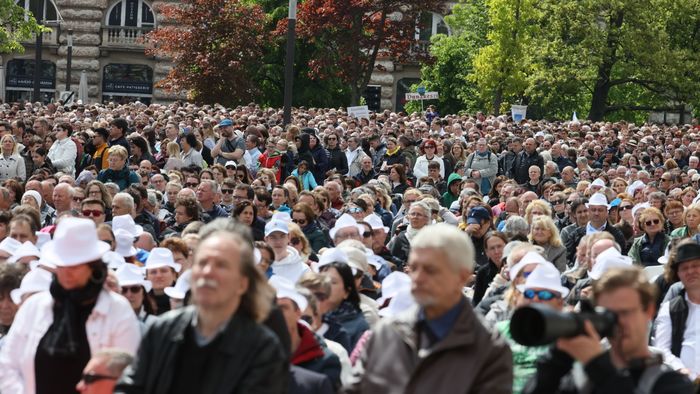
590	229
438	328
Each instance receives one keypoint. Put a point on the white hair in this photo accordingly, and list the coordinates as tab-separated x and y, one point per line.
126	198
454	243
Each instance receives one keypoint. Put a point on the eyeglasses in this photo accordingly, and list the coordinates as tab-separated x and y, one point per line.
416	215
625	207
90	378
190	185
132	289
367	234
653	221
332	139
543	295
92	212
295	241
227	191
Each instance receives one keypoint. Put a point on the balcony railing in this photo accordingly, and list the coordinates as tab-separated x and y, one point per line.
123	36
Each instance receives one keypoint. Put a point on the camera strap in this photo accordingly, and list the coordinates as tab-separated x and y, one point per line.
653	369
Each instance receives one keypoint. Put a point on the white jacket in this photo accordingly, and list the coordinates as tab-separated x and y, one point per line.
291	267
62	154
420	169
111	324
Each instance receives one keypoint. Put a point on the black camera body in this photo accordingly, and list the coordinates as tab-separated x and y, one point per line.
538	324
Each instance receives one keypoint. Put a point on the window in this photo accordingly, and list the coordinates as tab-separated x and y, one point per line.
127	82
43	10
131	13
430	24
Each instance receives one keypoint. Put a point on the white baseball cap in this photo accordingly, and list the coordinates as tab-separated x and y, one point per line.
285	289
276	226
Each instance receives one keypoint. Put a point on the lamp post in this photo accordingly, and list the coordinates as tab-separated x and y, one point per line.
289	63
69	59
37	57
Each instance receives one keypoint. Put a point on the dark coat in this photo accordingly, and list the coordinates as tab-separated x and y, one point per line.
522	164
303	381
575	238
249	357
338	161
124	178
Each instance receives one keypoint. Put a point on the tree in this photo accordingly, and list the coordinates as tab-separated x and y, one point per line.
452	56
16	26
352	34
216	47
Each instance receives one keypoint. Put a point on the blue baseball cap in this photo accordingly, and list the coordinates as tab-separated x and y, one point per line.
478	215
225	123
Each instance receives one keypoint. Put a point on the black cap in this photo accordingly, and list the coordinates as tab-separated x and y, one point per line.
687	252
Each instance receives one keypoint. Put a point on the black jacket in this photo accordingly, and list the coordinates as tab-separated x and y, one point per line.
303	381
575	238
522	163
678	309
250	357
337	161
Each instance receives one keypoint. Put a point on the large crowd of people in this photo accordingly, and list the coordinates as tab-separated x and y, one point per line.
190	248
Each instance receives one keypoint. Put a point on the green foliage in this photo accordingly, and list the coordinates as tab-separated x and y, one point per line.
14	28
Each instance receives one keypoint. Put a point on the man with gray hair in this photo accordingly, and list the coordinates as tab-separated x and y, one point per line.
122	204
102	371
439	345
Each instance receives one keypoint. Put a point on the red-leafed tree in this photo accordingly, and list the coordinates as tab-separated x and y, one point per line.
216	47
355	33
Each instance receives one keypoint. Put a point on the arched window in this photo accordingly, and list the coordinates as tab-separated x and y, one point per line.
131	13
43	10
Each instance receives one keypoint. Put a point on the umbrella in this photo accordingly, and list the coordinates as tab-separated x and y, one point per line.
83	88
2	84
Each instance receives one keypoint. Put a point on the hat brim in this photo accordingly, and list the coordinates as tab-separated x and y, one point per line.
172	292
177	267
52	256
147	284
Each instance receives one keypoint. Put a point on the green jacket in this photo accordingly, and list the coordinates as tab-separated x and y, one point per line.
524	357
448	198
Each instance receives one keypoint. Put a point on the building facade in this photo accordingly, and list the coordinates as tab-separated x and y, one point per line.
107	43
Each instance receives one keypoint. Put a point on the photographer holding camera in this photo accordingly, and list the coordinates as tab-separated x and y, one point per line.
628	366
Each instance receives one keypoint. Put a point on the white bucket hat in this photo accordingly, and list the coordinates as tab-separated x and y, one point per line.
329	256
545	276
113	260
598	199
161	257
127	223
41	239
285	289
10	245
393	284
610	258
376	222
75	242
344	221
530	257
401	302
34	281
182	286
125	243
131	275
27	249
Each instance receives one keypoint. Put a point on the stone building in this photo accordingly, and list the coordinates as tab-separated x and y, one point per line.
107	43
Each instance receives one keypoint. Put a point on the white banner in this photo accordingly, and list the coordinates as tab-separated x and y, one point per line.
519	112
426	96
359	112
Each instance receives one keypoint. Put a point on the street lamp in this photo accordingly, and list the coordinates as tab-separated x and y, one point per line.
289	64
69	60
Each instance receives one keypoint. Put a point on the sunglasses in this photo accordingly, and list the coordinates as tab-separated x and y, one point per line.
191	184
227	191
92	212
543	295
557	202
653	221
77	199
90	378
131	289
625	207
295	241
367	234
299	221
355	210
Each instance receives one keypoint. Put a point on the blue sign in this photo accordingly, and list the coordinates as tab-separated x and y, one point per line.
421	90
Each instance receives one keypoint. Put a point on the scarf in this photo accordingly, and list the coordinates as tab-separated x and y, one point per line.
410	233
346	311
68	306
393	151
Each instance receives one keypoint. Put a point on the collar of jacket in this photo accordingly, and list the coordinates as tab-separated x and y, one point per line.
462	333
308	349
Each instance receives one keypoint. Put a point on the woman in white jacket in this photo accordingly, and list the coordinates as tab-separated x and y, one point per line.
55	333
63	151
429	150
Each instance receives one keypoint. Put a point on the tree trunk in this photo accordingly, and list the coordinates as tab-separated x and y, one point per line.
599	99
497	101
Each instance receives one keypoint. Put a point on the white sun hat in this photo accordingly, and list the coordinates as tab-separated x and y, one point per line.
42	238
34	281
376	222
125	243
610	258
182	286
126	222
285	289
598	199
401	302
344	221
161	257
74	243
27	249
330	255
113	260
131	275
545	276
10	245
530	257
393	284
